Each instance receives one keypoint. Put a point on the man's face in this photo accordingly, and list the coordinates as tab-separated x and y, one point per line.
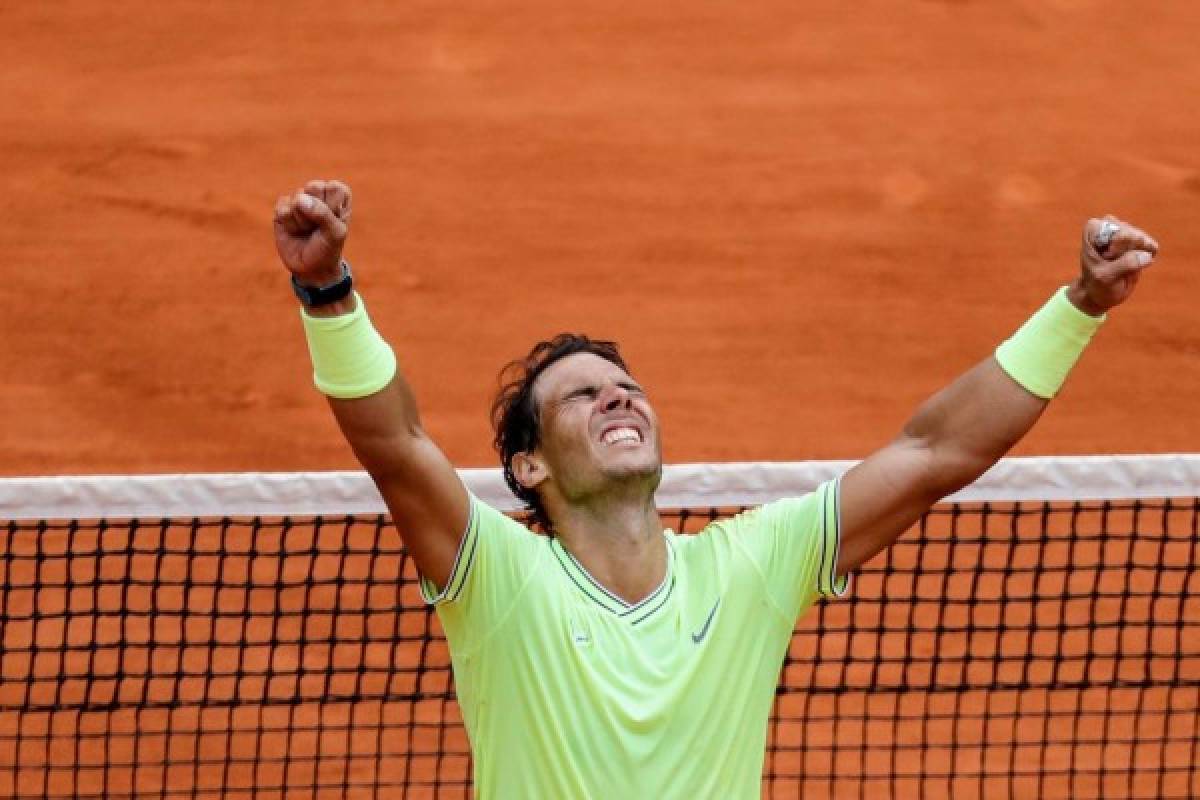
597	427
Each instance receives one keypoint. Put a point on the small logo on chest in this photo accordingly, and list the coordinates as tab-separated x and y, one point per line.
699	635
580	636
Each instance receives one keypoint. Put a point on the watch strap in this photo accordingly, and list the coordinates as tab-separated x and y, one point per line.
324	295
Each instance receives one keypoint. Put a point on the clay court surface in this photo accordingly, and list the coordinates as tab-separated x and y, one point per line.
799	218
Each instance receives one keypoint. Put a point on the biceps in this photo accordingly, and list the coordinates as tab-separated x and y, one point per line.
882	497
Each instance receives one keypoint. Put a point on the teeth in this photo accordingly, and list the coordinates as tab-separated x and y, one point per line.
621	435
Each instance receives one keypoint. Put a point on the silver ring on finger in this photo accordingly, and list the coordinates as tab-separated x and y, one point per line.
1105	235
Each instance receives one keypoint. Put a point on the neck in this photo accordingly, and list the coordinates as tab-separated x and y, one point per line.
619	541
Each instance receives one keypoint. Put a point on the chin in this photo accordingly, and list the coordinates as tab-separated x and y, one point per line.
647	468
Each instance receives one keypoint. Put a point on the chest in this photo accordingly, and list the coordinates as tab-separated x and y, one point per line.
702	613
704	647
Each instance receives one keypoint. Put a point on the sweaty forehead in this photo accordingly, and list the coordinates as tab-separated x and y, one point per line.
573	372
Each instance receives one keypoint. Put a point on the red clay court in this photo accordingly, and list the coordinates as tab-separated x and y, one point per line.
800	221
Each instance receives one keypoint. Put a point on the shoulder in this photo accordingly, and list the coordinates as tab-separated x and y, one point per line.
500	538
784	511
714	548
494	550
781	529
768	516
489	521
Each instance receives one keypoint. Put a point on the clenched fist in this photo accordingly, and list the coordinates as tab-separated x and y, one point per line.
1112	257
310	231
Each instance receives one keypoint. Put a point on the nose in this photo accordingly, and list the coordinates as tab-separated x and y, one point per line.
613	397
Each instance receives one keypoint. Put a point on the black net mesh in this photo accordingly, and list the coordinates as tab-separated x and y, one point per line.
1002	650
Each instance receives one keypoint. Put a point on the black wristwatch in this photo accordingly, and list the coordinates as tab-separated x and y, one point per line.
324	295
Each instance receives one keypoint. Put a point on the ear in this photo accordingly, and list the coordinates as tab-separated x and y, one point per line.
529	469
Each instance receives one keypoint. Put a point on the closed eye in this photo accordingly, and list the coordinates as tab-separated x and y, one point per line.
586	393
591	392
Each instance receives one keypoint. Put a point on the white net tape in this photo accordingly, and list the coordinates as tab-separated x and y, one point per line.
683	486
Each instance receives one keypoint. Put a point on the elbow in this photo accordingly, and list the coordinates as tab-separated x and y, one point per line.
943	468
952	469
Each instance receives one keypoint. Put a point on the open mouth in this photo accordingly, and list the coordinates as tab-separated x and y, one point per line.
620	434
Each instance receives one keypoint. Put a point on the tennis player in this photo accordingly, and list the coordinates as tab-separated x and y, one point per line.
613	658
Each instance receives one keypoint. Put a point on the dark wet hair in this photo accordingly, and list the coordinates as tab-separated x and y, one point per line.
515	415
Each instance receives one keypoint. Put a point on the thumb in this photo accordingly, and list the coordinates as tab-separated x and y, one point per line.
317	212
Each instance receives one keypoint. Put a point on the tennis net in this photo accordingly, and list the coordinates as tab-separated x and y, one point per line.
262	636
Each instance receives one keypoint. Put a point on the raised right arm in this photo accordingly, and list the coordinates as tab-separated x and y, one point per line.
423	492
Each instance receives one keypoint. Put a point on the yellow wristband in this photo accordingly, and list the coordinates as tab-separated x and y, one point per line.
1042	352
350	359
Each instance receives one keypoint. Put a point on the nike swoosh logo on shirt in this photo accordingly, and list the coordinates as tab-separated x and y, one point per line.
699	637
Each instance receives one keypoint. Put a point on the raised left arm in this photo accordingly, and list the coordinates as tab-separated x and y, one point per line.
964	429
